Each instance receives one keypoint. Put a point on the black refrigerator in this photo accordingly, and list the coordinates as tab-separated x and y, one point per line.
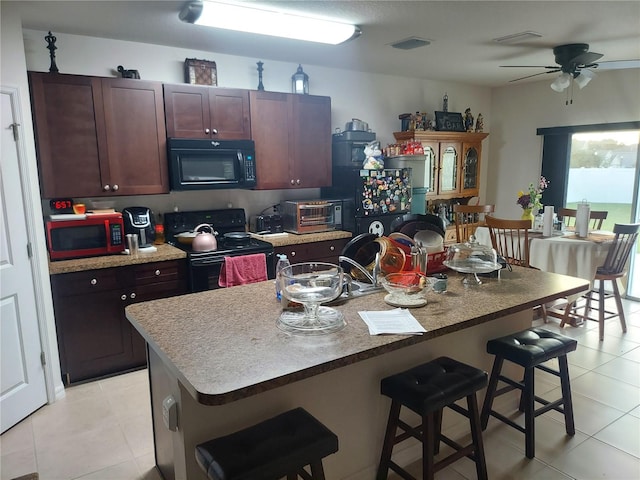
372	199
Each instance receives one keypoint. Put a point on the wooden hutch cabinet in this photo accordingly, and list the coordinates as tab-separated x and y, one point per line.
99	136
453	159
199	111
292	134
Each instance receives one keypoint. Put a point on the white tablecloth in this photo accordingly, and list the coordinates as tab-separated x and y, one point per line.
559	254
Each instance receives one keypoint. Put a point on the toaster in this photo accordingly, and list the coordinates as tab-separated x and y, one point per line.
269	223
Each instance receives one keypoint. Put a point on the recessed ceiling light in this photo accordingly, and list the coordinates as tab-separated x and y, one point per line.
518	37
410	43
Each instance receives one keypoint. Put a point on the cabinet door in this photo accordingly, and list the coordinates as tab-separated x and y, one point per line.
230	117
94	337
152	281
187	111
67	111
470	171
431	150
448	176
270	113
311	126
136	137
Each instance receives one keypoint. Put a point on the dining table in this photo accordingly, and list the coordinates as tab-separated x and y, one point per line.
563	252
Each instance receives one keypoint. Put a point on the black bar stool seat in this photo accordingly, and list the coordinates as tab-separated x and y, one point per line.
426	390
278	447
530	349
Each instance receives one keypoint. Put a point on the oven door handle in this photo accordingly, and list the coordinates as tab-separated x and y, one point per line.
203	262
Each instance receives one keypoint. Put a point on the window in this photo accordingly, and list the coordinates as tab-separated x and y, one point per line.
599	163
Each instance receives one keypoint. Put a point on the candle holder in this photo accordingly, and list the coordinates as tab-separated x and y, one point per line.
260	85
51	41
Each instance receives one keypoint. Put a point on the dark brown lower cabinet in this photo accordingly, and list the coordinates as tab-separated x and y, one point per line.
95	339
324	251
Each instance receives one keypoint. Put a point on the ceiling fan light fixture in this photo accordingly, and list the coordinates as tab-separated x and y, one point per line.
518	37
267	22
584	77
562	82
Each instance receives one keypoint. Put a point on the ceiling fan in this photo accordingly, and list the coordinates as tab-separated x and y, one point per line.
574	61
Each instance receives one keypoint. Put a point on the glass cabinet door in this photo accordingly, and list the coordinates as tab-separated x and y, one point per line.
448	169
431	166
470	169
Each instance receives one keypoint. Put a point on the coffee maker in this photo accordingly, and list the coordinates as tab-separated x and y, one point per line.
139	220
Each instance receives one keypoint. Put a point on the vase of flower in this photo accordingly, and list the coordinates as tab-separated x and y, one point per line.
527	214
531	201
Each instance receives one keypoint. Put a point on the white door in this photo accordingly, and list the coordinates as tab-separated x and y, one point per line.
22	377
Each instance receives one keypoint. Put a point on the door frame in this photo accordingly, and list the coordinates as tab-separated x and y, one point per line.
39	257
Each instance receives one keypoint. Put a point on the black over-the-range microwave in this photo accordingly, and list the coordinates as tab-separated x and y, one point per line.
202	164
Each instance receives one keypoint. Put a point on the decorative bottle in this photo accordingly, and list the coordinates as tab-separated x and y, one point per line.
283	262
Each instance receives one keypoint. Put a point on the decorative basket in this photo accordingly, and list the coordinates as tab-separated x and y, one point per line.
200	72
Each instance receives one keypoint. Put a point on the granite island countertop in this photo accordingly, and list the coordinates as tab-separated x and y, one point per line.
223	345
284	239
164	252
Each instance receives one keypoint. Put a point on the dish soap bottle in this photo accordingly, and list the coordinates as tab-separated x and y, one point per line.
283	262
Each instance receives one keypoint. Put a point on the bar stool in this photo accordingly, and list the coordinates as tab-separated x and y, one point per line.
280	446
426	390
529	349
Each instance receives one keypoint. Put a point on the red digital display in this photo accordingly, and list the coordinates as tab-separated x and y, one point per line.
61	205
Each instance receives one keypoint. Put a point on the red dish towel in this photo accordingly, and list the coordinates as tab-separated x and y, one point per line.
243	269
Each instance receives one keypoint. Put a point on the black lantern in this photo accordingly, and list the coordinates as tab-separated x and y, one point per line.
300	82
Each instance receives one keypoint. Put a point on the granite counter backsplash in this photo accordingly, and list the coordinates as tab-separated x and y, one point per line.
164	252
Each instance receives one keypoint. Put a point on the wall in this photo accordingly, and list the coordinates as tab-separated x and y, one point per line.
519	109
13	74
354	94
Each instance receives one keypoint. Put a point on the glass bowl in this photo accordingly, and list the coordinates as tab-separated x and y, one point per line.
406	289
311	284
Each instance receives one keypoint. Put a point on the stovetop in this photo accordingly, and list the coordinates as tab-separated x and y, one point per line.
222	221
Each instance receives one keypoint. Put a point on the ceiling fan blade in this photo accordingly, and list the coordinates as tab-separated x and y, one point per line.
527	66
586	58
534	75
618	64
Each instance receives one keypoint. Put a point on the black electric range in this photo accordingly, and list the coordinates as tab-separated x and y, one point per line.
204	267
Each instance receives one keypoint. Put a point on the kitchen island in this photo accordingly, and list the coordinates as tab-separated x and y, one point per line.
221	357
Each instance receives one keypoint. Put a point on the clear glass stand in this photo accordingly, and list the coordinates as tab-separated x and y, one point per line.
328	320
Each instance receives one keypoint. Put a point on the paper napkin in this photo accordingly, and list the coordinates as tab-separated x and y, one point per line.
397	321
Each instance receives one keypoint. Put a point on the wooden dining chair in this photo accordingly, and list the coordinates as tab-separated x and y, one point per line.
596	217
614	268
468	218
510	239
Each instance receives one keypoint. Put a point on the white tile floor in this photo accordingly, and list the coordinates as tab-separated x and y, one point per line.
102	430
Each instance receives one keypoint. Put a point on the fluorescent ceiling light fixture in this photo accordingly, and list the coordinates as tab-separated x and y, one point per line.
518	37
584	77
562	82
267	22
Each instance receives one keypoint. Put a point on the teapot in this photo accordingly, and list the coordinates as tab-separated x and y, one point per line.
204	241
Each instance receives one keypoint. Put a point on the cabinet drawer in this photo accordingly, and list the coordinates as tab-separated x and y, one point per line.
93	281
148	273
316	251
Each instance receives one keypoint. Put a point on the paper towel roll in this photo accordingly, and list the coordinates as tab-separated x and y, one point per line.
583	212
547	226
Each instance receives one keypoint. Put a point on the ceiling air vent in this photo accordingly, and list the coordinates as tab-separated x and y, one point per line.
410	43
